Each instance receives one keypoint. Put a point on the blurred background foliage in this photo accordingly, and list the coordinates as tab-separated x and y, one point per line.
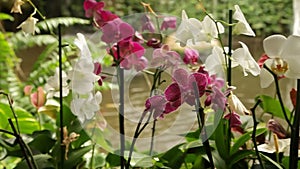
265	16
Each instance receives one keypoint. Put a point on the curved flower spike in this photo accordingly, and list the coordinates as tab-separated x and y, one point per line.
242	27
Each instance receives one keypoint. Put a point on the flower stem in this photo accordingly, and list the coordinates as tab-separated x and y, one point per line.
139	129
61	117
254	133
23	149
201	123
279	95
228	58
136	135
229	49
295	132
121	115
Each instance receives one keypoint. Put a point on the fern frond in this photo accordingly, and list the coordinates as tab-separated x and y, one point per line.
52	23
21	42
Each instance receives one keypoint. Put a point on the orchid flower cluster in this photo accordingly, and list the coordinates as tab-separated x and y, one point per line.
28	26
198	61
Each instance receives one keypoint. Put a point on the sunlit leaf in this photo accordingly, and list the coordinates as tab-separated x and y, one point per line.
272	106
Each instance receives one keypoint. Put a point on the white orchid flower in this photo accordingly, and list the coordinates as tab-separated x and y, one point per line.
236	105
215	63
210	30
17	7
28	26
81	43
284	57
82	76
86	108
242	27
52	86
243	57
189	28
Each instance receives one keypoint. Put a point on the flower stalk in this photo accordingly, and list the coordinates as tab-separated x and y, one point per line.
62	146
295	132
201	124
279	94
121	115
255	123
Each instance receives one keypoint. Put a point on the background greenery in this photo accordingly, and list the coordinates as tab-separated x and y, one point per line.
265	16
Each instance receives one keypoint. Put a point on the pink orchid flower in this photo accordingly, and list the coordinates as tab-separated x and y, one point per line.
169	22
38	98
164	56
115	31
147	24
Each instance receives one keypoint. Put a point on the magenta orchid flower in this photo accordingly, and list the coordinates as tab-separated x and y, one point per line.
234	118
169	22
97	71
191	56
95	9
92	6
214	95
182	90
126	47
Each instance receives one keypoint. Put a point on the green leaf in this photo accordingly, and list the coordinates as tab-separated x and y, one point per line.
52	23
192	136
75	156
42	160
4	16
272	106
27	123
174	157
113	160
141	160
44	137
244	138
270	160
239	155
222	139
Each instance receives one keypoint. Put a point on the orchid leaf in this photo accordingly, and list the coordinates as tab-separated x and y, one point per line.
272	106
244	138
221	134
27	123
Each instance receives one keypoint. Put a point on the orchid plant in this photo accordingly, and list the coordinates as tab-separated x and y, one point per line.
192	51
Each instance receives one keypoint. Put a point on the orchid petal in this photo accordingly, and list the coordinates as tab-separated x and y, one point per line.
273	45
265	78
245	59
242	27
291	54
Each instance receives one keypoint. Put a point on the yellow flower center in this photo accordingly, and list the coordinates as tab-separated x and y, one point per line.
279	66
